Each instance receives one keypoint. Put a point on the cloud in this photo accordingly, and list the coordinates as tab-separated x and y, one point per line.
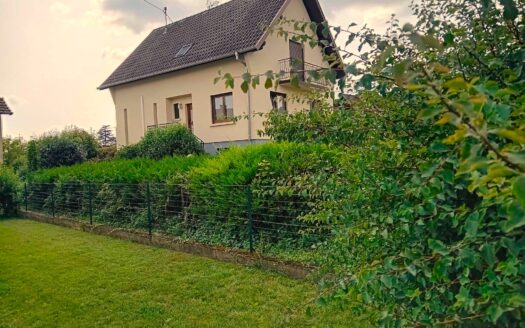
117	54
137	15
59	8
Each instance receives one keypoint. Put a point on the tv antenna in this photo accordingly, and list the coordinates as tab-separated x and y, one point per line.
164	10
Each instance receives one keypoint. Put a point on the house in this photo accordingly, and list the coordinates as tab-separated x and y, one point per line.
169	78
4	110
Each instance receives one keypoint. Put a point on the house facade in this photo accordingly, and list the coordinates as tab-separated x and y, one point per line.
169	78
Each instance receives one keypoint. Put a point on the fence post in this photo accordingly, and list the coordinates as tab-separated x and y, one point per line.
90	195
53	200
249	212
25	195
150	214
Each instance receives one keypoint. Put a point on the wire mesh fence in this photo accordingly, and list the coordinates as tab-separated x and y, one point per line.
257	219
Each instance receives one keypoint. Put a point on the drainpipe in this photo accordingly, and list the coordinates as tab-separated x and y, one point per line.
143	114
240	58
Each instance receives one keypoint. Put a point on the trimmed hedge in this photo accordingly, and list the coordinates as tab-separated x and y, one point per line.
205	198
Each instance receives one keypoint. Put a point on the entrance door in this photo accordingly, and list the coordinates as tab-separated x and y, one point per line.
189	116
297	59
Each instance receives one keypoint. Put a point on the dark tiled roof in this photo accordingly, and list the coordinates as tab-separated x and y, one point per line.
235	26
4	109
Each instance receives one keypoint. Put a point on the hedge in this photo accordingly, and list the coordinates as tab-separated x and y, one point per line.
204	198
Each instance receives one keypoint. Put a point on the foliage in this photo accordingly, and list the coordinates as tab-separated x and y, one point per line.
85	141
15	154
105	136
433	235
9	183
107	153
60	152
77	145
201	198
159	143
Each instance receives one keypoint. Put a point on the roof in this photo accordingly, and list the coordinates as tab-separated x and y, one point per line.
4	109
215	34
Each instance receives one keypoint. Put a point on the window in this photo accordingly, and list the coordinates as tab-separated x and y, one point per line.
184	50
155	115
126	131
176	111
278	101
222	108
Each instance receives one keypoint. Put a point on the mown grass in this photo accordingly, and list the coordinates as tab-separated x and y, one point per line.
53	276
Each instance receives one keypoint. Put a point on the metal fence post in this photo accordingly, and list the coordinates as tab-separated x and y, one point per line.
249	212
53	200
150	214
90	195
25	195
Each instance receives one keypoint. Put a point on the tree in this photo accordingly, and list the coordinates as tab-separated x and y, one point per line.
431	234
106	137
15	155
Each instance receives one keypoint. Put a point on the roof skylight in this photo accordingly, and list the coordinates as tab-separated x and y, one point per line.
184	50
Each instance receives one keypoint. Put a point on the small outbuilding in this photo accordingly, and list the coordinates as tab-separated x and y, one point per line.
4	110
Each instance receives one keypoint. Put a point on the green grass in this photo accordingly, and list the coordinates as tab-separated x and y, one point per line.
53	276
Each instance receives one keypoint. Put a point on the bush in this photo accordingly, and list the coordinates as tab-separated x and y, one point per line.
78	145
60	152
159	143
9	183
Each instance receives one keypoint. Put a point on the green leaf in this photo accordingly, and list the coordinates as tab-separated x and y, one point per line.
516	217
472	224
494	312
245	86
518	189
268	84
510	11
437	246
429	112
366	81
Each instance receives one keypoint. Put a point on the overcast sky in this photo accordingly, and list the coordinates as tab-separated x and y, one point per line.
55	53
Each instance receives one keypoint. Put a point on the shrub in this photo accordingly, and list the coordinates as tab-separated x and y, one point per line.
9	183
60	152
78	145
130	152
159	143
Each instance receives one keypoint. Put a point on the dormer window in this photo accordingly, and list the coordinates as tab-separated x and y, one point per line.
184	50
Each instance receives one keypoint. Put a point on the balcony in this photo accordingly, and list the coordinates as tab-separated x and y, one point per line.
290	67
160	126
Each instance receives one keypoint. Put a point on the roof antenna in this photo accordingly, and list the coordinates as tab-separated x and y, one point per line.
166	20
165	12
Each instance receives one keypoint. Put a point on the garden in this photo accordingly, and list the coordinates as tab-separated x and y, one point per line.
404	186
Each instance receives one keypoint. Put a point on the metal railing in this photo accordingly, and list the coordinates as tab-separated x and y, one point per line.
256	219
290	67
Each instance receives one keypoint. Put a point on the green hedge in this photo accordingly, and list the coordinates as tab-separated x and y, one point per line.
201	197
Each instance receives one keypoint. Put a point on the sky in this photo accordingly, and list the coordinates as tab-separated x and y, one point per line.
55	53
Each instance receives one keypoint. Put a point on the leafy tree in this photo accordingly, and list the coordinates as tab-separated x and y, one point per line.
106	137
60	152
9	184
430	227
15	153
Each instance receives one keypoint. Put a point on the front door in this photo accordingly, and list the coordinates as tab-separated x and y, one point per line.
189	116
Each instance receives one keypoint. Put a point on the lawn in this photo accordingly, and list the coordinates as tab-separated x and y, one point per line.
54	276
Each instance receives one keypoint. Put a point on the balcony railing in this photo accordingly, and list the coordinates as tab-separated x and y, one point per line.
291	67
165	125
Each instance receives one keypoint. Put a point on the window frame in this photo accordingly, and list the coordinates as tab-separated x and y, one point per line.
214	110
176	111
275	94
